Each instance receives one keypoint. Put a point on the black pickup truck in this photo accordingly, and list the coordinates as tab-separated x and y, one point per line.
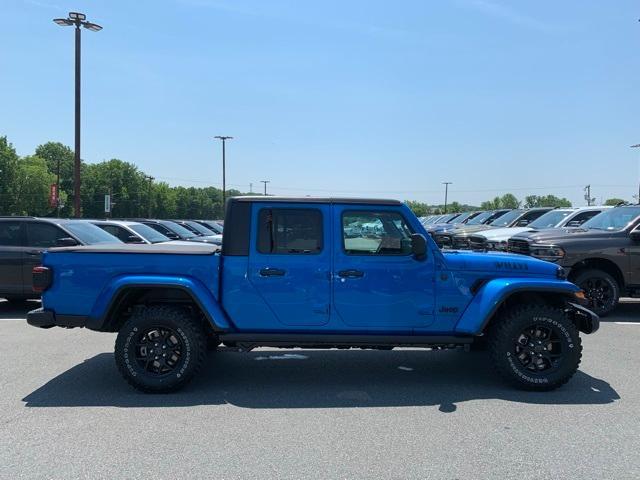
602	257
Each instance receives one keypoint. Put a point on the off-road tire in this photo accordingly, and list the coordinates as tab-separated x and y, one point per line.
582	280
189	334
508	329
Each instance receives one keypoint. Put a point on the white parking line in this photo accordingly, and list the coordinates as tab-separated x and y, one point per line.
627	323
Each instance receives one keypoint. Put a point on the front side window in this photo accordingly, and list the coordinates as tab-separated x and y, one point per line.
289	231
10	234
375	233
614	219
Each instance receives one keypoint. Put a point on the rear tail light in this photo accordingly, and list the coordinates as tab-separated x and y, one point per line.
41	278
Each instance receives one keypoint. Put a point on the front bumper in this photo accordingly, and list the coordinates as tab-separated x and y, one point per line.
42	318
586	321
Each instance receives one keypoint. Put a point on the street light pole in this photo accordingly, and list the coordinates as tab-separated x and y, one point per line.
151	179
78	20
58	188
265	186
224	182
446	194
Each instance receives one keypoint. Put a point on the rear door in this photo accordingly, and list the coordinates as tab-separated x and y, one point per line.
11	258
39	237
377	281
290	261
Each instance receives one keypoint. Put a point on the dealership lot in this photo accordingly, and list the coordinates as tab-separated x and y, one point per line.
67	413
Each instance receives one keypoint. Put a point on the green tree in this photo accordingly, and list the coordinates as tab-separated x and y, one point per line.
31	187
57	155
613	201
531	201
8	173
418	208
454	207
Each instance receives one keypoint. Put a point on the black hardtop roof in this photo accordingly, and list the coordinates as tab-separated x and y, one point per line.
351	201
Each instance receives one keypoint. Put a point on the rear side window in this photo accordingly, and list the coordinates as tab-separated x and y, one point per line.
289	231
10	235
43	235
375	233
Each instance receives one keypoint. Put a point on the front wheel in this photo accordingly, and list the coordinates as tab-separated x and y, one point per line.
601	289
535	347
160	348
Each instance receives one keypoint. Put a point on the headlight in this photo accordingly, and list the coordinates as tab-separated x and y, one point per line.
501	246
550	253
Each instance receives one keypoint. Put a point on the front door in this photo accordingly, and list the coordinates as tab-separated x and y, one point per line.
290	262
377	282
11	258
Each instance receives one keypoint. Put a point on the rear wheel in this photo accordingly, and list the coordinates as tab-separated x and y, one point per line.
600	288
535	347
160	348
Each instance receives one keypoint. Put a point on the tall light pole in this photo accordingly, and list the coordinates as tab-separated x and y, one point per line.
151	179
637	146
265	186
446	194
224	182
78	20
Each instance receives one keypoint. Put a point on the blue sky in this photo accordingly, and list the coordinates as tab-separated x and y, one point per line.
354	97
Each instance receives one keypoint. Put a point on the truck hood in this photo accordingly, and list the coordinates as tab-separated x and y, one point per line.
464	230
503	234
551	235
500	264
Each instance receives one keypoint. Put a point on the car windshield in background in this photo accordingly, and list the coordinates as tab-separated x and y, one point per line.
480	218
550	219
200	229
216	227
507	219
89	234
179	229
614	219
148	233
463	217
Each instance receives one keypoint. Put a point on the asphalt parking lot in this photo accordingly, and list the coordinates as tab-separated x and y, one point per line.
66	413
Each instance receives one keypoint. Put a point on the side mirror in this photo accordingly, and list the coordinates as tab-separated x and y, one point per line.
635	235
66	242
419	246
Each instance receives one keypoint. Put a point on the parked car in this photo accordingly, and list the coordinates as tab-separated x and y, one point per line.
288	276
456	222
514	218
445	238
602	256
178	232
134	232
212	225
496	239
200	230
22	241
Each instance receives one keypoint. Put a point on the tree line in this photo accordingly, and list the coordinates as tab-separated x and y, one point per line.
25	184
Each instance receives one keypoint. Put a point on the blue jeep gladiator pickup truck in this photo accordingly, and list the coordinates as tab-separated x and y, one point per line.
315	273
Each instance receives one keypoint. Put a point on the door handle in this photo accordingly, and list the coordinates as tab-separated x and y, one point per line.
272	272
351	273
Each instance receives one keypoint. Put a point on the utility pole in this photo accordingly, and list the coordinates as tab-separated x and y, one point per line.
265	186
151	179
224	185
58	188
78	20
446	194
637	146
587	196
251	188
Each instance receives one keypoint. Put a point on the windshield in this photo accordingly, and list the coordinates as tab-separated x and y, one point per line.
179	229
463	217
550	219
614	219
216	227
479	219
506	219
199	228
148	233
89	234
